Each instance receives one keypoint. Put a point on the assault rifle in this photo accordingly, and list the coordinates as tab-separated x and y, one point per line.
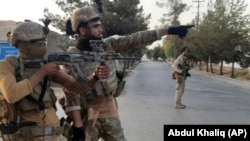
73	57
185	69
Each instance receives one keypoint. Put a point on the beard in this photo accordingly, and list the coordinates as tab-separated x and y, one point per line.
83	43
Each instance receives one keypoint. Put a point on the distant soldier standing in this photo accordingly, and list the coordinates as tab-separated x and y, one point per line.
181	68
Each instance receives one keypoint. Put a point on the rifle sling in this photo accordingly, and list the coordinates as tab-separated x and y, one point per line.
39	102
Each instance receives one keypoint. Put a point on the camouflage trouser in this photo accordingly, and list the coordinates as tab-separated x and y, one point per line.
180	86
109	129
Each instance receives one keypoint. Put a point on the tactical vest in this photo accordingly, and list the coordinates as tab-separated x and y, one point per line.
26	104
111	86
9	112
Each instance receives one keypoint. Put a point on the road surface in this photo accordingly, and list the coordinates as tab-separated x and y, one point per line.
147	103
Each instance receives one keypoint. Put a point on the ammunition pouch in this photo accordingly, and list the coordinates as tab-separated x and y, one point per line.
181	74
8	129
36	131
98	91
8	137
29	130
8	111
104	88
66	123
91	95
180	78
9	132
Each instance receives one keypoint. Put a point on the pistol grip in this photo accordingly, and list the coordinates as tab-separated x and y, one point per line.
102	63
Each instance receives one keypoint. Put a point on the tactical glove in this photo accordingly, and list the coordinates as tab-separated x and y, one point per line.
120	75
78	134
181	30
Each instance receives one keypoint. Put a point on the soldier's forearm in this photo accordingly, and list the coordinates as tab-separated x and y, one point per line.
37	77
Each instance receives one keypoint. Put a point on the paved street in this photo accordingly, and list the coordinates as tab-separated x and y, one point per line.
146	104
148	100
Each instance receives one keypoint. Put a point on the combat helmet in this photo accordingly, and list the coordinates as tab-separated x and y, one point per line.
83	15
27	31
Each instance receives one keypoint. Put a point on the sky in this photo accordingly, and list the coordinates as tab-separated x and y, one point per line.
18	10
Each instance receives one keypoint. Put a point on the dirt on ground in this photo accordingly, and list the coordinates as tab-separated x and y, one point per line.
239	73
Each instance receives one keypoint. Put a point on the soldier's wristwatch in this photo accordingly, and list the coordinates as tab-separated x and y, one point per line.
95	76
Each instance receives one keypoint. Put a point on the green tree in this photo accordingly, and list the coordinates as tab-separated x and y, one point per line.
216	22
67	7
149	53
168	47
158	53
174	8
239	26
222	34
119	16
124	17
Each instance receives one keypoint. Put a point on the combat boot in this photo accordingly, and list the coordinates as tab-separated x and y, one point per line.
180	106
183	105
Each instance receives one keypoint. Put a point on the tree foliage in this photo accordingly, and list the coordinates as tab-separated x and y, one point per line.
124	17
175	8
223	34
119	17
67	7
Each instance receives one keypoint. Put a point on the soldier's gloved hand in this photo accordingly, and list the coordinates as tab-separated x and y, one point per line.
188	75
78	134
181	30
119	74
77	139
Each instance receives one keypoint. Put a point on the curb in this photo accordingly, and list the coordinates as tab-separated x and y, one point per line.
219	76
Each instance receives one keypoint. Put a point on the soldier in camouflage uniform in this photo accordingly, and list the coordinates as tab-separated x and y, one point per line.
100	103
27	102
181	68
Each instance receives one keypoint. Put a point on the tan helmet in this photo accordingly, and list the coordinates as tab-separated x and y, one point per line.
83	15
27	31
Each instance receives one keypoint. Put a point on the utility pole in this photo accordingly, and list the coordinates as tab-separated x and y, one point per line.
198	10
